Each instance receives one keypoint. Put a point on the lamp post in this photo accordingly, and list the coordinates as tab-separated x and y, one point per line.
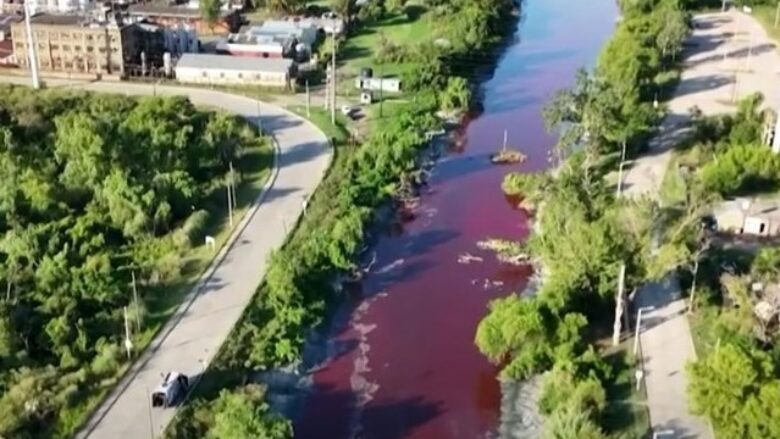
639	325
31	52
658	434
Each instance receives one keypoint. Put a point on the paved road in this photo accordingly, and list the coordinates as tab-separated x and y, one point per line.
711	82
197	330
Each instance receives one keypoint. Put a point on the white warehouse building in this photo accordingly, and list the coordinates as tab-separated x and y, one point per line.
199	68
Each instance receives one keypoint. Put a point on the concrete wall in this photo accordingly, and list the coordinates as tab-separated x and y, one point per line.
231	77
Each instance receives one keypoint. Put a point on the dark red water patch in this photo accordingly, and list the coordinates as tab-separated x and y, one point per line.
406	365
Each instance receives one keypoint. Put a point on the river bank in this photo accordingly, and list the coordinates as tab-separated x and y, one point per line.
406	339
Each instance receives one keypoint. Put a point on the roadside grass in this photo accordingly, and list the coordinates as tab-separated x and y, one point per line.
673	186
626	413
320	117
703	323
765	14
162	301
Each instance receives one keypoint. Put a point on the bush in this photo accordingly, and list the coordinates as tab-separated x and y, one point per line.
742	169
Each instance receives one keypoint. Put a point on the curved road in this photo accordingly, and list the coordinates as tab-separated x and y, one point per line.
196	331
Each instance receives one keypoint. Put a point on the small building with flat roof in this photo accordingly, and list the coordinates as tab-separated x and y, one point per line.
201	68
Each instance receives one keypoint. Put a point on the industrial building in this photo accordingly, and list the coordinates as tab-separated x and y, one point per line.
99	45
74	43
232	70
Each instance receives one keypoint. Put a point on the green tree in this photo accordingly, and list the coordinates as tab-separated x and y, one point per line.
243	414
567	424
345	8
457	95
210	12
723	382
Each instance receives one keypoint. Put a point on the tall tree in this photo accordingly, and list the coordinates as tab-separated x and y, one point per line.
210	12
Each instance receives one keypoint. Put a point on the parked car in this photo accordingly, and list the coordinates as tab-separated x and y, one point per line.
172	389
347	110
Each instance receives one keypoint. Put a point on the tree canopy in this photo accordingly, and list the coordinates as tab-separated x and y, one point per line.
94	187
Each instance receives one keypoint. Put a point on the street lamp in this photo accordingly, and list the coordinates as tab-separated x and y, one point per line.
658	434
639	325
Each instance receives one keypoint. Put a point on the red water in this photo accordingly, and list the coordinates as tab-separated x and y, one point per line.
408	367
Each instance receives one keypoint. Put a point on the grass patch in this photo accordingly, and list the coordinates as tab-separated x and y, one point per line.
626	412
338	134
359	50
765	14
673	188
163	300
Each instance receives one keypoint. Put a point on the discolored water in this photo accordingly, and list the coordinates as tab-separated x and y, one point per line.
406	365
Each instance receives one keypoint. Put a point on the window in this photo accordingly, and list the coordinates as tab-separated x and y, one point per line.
77	48
240	76
89	49
54	46
65	47
65	36
89	37
203	74
221	74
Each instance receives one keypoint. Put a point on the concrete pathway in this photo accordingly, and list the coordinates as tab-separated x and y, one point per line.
729	56
189	341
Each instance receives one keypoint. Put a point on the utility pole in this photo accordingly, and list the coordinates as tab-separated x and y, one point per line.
333	81
233	185
308	100
382	89
135	300
128	342
31	52
230	203
619	306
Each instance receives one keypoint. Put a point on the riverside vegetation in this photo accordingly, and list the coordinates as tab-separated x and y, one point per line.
299	284
95	189
584	233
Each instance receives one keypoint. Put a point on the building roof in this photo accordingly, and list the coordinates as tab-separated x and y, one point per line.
227	62
67	20
164	10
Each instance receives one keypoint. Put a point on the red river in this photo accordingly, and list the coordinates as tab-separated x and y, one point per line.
407	365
